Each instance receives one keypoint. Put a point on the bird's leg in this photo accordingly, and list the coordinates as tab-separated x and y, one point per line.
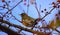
36	22
32	27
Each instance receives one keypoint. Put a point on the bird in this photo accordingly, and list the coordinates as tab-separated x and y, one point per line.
28	21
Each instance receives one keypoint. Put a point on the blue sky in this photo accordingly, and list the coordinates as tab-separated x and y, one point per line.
42	4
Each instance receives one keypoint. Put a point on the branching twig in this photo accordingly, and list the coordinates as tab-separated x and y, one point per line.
39	19
37	10
13	7
48	13
16	18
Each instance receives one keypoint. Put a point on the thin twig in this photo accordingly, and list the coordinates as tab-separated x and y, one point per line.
48	13
39	19
57	30
16	18
37	9
13	7
28	7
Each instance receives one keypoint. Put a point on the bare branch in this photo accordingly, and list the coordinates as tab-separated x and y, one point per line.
22	28
7	30
57	30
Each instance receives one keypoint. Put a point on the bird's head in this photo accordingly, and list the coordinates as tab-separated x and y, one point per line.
23	14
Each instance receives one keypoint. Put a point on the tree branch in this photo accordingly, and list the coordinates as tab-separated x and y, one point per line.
7	30
22	28
11	24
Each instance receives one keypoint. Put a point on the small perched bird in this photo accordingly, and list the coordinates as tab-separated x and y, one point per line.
28	21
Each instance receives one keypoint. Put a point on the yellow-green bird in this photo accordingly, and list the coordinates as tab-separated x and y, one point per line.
28	21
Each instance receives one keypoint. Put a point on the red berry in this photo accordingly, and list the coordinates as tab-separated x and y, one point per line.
44	9
56	14
3	0
58	1
24	3
54	6
53	2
